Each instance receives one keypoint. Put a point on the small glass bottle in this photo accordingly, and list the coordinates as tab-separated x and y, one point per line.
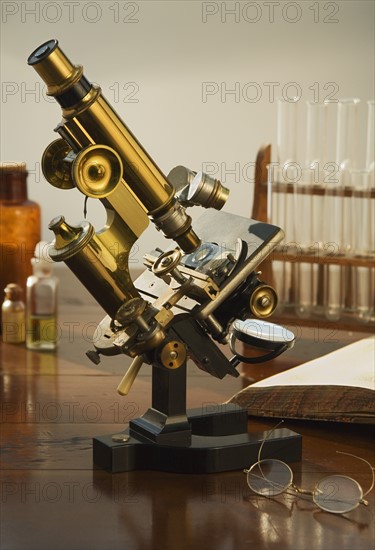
41	304
19	226
13	315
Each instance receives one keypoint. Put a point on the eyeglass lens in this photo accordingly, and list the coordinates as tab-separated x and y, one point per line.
337	494
269	477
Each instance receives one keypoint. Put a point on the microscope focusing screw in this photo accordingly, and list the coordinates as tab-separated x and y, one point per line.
166	261
167	265
131	312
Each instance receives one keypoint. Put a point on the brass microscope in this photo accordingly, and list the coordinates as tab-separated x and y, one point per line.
191	299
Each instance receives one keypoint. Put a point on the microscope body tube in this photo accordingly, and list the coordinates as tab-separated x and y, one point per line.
101	264
88	119
94	122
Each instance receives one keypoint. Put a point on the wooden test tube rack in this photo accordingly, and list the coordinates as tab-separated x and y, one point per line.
293	254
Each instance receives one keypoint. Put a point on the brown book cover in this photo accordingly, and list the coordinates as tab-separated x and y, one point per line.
339	387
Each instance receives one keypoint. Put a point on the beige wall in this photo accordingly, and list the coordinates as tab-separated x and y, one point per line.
165	54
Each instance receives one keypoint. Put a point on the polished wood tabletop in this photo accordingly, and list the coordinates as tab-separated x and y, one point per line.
52	496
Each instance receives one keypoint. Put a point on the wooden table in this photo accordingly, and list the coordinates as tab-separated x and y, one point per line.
52	404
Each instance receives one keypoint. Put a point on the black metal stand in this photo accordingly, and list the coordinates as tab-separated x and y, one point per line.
170	439
206	453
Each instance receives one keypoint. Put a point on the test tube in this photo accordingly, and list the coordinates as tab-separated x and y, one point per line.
287	131
304	213
310	206
316	139
277	216
287	111
370	147
347	158
334	274
363	239
362	212
337	207
370	165
347	136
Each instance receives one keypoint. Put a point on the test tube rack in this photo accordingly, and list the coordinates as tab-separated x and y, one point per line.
294	255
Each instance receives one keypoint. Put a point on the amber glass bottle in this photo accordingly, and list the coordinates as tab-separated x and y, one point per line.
19	226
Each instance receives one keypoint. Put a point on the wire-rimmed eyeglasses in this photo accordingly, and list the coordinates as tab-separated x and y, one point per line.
337	494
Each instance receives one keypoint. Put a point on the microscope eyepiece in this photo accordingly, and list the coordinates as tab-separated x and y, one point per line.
42	52
64	80
58	72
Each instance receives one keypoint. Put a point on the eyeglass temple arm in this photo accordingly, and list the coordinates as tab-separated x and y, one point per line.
263	442
267	437
372	472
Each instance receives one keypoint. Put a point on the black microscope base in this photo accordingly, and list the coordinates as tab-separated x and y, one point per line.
207	453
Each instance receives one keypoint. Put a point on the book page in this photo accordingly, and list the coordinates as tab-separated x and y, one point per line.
352	365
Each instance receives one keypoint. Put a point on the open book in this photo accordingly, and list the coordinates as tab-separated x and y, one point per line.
339	386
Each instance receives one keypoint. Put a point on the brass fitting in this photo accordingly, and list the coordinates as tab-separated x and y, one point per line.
263	301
